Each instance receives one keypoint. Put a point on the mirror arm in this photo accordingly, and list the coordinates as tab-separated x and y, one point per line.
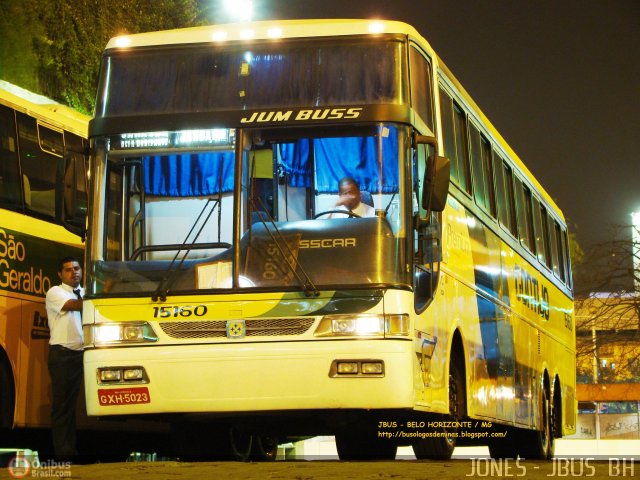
424	140
420	223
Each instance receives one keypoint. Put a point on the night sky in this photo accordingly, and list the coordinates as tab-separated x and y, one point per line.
558	78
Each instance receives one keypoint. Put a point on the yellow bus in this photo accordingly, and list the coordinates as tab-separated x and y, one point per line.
231	294
39	138
43	206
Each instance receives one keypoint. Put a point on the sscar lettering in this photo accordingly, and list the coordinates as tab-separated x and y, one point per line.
270	116
329	243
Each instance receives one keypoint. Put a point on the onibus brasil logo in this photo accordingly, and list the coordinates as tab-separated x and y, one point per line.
21	465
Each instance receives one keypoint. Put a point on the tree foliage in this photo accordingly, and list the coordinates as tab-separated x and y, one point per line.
65	38
608	316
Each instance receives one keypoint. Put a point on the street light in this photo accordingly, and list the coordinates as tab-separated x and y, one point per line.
239	10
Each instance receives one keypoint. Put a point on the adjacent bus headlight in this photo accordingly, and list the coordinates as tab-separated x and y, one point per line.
365	325
118	333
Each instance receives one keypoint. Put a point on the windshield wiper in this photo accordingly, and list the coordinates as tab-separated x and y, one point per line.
170	273
309	288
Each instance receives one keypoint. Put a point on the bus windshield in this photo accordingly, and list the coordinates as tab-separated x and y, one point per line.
206	78
253	208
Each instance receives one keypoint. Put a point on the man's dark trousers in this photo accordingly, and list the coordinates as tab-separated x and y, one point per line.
65	369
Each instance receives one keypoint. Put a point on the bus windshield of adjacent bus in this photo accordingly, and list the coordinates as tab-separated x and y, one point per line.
169	210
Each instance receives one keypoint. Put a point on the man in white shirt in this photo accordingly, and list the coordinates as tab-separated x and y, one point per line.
350	199
64	307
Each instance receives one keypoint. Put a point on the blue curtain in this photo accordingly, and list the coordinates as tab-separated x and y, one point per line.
341	157
293	158
188	175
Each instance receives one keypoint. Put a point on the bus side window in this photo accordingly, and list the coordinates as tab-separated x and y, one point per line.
421	86
462	148
541	240
562	260
39	147
76	206
9	171
553	242
449	141
567	258
523	211
510	198
501	197
426	240
477	172
487	165
454	133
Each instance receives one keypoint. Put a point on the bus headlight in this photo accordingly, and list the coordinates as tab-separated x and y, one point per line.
118	333
366	325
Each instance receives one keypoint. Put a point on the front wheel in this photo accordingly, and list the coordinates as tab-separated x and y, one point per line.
194	442
441	448
233	444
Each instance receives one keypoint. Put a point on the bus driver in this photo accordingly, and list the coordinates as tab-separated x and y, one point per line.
350	199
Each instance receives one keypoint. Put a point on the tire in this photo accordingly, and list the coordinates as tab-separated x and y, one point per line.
195	442
264	448
230	444
539	444
7	397
359	444
441	448
239	445
190	444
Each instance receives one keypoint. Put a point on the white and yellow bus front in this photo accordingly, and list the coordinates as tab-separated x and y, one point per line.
220	283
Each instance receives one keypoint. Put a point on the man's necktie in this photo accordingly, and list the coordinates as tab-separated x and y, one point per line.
77	292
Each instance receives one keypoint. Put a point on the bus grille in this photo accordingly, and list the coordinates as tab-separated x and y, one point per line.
254	328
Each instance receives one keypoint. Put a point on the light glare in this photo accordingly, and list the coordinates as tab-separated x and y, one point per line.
123	42
239	9
219	36
274	32
376	27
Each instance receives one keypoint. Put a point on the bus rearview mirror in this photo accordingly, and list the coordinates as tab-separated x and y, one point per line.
436	183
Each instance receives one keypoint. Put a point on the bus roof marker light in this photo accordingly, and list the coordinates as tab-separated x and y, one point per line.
123	41
376	27
219	36
274	32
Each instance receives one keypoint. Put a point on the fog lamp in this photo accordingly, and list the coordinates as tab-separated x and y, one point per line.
350	368
369	368
110	375
132	374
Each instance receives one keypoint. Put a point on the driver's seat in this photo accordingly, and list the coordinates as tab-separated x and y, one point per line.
366	197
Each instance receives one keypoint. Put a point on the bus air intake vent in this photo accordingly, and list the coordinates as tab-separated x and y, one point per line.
254	328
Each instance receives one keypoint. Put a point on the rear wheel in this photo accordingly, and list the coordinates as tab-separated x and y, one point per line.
264	448
539	444
442	447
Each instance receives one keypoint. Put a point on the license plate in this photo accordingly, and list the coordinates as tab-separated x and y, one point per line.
123	396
